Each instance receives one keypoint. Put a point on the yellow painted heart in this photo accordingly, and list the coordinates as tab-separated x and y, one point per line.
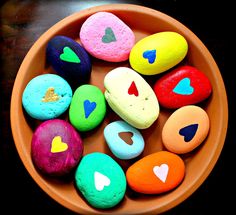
58	145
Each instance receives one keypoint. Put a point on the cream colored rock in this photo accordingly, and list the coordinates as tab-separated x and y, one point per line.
131	97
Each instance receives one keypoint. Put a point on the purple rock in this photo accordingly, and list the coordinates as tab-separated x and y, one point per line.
69	59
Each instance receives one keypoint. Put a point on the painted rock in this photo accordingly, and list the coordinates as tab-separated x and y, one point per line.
56	147
69	59
124	141
101	180
156	173
88	107
158	52
131	97
185	85
46	96
185	129
107	37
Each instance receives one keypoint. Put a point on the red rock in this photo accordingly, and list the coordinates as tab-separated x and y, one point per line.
184	85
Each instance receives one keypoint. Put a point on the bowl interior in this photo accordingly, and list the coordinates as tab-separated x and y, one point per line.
199	162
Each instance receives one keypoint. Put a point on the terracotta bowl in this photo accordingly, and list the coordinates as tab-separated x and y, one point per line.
199	163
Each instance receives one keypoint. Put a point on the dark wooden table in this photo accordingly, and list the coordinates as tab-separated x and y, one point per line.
22	22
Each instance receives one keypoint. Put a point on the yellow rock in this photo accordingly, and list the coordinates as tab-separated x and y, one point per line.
157	53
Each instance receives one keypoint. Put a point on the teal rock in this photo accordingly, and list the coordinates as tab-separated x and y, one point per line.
101	180
87	108
124	141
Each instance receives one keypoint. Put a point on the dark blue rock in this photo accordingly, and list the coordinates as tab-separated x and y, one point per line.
69	59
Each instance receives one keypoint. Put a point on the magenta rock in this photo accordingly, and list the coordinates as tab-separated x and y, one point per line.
56	147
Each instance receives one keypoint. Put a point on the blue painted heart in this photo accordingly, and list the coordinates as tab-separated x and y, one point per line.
109	36
188	132
89	107
150	55
183	87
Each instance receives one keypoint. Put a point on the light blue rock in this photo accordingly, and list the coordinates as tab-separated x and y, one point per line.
119	147
46	96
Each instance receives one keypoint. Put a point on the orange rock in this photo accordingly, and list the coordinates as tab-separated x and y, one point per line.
156	173
185	129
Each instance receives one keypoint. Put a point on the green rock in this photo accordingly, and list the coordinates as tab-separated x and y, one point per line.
101	180
87	108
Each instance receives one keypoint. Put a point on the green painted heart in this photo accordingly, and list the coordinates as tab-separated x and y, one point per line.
69	55
109	36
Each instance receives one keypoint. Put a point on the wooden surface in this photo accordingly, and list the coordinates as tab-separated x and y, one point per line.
22	22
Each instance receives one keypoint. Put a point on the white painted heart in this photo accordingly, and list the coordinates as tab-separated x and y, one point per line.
161	172
100	181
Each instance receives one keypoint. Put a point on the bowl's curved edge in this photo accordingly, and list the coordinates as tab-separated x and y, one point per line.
224	126
16	94
212	162
14	109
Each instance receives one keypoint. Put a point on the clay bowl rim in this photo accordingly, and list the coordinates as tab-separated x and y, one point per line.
16	107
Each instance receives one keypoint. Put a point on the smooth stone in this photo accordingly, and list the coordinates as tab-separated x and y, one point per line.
131	97
46	96
56	147
185	129
124	141
69	59
156	173
185	85
106	37
88	107
101	180
158	52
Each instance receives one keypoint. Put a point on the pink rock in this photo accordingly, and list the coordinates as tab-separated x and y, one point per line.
107	37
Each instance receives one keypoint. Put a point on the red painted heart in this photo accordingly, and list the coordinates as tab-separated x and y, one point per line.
133	89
